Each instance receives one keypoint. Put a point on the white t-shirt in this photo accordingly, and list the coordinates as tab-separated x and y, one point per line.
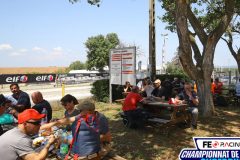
148	89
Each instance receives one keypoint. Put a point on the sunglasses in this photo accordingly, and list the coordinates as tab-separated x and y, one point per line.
36	123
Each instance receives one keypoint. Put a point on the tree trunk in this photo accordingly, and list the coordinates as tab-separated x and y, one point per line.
238	62
238	67
201	72
206	105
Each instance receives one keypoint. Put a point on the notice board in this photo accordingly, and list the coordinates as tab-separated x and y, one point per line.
123	65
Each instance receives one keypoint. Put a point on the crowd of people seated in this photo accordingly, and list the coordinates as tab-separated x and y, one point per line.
90	136
182	92
179	90
164	90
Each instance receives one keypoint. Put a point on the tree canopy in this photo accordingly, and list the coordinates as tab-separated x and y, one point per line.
92	2
203	18
98	48
77	65
199	22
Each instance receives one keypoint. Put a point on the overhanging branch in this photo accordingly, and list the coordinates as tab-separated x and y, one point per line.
196	25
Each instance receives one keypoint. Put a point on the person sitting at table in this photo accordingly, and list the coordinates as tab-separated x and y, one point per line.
134	114
105	135
158	93
69	102
4	104
90	129
217	86
167	85
189	97
42	106
17	143
148	88
127	87
212	86
142	83
176	84
23	99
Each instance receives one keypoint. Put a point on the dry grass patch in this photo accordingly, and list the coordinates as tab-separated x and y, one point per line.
150	144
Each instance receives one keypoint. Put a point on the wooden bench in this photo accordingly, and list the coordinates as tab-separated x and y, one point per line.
158	120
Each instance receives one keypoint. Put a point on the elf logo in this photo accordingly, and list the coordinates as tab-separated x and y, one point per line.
16	79
44	78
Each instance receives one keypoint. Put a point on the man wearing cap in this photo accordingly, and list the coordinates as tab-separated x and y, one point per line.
23	99
17	143
158	92
90	128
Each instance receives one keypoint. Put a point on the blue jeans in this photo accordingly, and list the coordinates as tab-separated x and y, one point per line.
135	117
194	113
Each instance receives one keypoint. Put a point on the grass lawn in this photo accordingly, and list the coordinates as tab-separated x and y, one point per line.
151	144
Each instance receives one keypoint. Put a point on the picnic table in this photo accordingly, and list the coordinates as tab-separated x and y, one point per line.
167	114
228	96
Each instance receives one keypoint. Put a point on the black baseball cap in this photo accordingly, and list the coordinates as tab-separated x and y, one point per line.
3	100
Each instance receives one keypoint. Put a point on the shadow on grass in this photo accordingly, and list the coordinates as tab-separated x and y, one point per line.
150	143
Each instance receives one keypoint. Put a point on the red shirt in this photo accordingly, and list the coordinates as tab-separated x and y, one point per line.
218	87
131	101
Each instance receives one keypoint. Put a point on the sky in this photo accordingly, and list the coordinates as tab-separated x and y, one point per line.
43	33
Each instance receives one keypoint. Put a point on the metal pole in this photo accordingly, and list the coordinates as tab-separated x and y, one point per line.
63	89
152	42
164	52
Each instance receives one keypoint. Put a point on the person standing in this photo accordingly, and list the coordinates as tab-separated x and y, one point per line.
188	96
42	106
17	143
23	99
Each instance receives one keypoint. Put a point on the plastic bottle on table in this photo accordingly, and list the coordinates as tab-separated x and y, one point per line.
64	145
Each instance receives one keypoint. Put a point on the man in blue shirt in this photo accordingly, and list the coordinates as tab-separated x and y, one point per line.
188	96
23	99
